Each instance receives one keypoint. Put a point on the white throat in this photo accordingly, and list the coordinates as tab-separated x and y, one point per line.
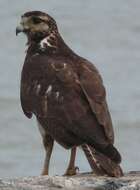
46	42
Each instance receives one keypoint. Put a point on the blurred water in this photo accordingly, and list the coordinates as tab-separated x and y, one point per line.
105	32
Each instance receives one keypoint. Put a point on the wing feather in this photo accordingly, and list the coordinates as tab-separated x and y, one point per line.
92	86
34	84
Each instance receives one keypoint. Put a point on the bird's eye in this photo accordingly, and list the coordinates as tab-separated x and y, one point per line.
36	20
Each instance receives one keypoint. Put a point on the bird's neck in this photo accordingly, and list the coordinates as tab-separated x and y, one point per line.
51	44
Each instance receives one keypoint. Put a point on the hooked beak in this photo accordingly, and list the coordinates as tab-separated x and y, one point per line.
19	29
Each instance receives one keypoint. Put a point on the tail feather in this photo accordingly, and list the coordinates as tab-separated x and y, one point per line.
101	164
111	152
93	162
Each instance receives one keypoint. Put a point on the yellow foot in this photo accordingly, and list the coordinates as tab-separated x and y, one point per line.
44	173
71	171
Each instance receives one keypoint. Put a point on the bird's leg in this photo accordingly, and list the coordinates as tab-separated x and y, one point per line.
48	144
72	169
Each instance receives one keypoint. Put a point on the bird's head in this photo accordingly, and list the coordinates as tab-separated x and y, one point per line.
37	25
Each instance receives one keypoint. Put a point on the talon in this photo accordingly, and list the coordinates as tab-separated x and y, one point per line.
44	172
72	171
77	169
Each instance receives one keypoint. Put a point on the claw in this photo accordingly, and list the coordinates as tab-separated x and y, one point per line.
71	171
77	169
44	173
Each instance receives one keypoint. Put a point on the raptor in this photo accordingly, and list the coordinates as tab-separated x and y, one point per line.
66	94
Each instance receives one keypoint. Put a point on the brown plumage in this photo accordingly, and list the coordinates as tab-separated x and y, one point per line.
66	94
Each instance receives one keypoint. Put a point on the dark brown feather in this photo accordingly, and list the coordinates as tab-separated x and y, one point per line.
66	94
92	86
100	163
81	100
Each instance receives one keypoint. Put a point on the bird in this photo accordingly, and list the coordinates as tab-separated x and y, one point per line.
66	94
